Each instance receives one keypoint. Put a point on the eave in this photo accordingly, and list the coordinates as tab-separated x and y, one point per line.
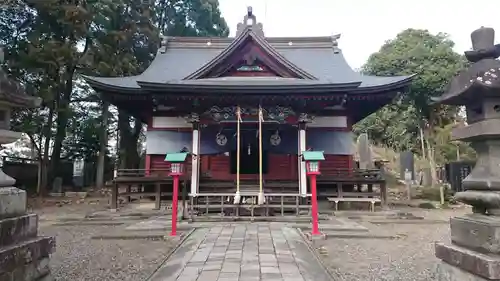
247	89
402	84
108	87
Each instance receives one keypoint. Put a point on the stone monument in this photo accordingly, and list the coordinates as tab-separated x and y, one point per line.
364	152
24	256
474	252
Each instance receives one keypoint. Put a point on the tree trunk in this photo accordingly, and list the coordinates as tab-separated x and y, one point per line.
62	121
44	160
103	145
422	142
432	163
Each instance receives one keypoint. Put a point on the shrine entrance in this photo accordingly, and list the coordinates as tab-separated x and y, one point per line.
249	156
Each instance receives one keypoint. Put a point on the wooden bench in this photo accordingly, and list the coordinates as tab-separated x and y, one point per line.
372	201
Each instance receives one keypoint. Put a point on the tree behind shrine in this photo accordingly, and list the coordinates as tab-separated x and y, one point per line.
49	46
434	62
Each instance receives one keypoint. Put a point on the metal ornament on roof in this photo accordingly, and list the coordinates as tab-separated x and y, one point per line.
250	68
250	21
275	139
221	139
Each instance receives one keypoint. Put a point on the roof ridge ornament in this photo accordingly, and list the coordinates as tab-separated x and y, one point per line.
483	46
335	43
250	22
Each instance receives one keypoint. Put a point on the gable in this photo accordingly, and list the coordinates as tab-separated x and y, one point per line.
249	60
249	51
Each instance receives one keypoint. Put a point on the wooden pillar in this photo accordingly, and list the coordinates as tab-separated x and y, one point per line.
383	195
195	163
114	196
158	196
301	164
127	191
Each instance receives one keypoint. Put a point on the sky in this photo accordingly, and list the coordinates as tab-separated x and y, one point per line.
366	24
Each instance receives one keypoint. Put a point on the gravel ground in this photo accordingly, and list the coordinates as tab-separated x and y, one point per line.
410	258
80	258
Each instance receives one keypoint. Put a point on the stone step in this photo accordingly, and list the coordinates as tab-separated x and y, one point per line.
359	235
17	229
132	235
408	221
25	252
87	223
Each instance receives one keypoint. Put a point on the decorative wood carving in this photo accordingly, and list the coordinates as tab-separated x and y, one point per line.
277	113
305	118
193	118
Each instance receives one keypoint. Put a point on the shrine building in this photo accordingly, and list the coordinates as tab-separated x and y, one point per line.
308	94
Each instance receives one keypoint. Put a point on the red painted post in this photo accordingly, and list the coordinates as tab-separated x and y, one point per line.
315	227
175	197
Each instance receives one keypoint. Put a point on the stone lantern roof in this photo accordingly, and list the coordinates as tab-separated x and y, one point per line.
482	78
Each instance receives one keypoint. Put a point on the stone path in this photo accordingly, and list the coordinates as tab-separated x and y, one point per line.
242	253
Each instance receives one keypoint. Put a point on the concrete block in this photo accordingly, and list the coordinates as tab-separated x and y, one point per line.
447	272
34	271
481	265
25	252
16	229
12	202
477	232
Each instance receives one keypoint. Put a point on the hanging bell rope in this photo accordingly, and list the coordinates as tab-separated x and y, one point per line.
261	198
237	196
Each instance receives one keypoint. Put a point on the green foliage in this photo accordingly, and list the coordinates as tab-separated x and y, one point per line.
50	43
430	57
434	63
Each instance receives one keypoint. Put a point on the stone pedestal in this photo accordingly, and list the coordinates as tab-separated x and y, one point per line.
474	252
24	256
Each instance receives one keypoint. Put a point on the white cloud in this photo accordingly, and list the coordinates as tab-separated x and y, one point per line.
365	24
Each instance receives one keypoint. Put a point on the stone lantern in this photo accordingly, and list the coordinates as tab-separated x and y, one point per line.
474	253
23	255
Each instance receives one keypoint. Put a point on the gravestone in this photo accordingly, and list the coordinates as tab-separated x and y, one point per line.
24	256
474	251
426	176
364	152
406	162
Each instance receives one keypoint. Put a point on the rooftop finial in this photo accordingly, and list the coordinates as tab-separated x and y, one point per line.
483	45
335	43
250	22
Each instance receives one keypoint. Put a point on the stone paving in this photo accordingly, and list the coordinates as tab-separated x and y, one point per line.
243	253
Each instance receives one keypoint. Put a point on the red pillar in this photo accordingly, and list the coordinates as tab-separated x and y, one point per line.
314	199
175	197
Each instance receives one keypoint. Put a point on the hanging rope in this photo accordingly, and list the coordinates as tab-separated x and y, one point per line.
261	198
237	196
